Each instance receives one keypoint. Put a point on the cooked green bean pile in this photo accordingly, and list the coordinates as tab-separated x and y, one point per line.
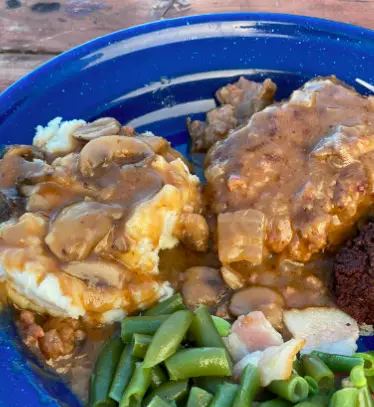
171	356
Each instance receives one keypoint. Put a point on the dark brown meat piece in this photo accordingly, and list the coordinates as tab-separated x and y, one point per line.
56	337
247	97
239	101
353	276
30	330
305	163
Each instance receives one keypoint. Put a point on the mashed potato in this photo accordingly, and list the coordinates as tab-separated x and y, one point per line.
96	218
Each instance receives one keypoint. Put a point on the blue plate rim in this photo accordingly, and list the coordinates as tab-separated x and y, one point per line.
326	25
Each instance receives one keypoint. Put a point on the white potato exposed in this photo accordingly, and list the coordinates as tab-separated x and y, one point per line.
57	137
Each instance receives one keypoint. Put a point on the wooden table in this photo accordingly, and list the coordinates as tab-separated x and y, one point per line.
32	31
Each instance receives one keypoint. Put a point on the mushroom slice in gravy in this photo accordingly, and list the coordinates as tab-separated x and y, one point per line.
105	126
79	228
203	286
101	151
257	298
97	272
193	231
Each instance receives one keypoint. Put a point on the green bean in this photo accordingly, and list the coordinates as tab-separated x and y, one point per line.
168	338
368	362
312	383
357	376
294	389
203	330
159	402
345	398
199	362
364	397
167	307
211	384
104	371
297	367
169	391
310	403
225	395
198	398
140	325
137	387
158	376
318	400
316	368
275	403
223	327
249	386
370	380
338	363
122	377
140	345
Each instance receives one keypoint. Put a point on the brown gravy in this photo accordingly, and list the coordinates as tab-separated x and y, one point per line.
306	163
301	287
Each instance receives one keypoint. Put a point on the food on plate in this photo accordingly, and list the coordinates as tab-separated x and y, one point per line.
54	337
99	206
203	286
256	332
353	276
238	102
264	299
325	329
227	292
299	175
179	365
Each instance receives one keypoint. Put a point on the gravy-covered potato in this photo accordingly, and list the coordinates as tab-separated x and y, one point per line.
305	164
101	202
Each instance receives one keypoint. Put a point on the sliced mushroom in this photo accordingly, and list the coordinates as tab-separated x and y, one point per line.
162	147
114	243
193	231
103	150
29	153
97	272
158	144
79	228
106	126
27	231
47	196
203	286
258	298
22	164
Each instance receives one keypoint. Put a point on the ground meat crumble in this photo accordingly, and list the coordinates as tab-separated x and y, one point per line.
54	337
353	276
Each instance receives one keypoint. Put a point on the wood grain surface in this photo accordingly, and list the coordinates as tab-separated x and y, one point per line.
33	31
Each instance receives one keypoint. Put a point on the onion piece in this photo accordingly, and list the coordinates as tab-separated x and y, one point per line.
241	236
324	329
277	361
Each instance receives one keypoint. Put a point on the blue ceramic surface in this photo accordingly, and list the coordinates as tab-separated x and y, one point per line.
153	76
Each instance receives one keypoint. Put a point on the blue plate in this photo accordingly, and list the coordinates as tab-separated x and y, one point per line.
153	76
